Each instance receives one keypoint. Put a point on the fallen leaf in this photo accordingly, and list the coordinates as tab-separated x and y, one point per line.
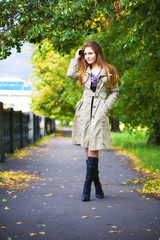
147	230
84	217
42	233
9	238
44	203
48	195
19	232
4	200
93	208
19	222
109	206
3	227
70	196
6	208
97	216
17	180
114	226
32	234
121	191
42	225
117	231
15	196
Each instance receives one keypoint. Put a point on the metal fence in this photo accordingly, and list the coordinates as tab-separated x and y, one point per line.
18	129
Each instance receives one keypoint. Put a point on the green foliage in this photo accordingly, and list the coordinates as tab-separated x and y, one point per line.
131	43
127	30
53	95
62	22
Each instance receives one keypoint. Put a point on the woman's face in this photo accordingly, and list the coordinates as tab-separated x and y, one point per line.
89	55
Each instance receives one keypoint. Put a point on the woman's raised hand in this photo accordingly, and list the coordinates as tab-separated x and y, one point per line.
78	53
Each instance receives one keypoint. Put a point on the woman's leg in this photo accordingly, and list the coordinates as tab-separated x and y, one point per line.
94	160
92	153
86	151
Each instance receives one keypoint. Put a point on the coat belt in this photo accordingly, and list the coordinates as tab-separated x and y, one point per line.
95	94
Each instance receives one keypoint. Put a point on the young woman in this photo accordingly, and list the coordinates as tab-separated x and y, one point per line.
91	123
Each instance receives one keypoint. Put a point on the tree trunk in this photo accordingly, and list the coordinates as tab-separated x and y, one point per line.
115	125
154	138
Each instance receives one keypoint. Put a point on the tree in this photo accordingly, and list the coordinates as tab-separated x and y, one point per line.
131	43
62	22
53	94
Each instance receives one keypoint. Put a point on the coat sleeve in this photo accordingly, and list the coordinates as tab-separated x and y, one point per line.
72	70
114	93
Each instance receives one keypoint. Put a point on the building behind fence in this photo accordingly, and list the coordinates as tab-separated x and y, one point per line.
18	129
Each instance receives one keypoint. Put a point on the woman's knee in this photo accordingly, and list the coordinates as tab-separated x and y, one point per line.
93	153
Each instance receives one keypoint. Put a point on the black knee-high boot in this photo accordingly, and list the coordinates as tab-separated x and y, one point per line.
91	170
97	183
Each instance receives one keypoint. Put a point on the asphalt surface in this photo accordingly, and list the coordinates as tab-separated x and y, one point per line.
121	215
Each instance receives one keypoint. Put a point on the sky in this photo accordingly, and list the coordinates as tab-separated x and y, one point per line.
17	64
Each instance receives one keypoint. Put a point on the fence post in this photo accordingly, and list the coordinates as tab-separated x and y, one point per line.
21	128
31	128
2	155
42	126
11	130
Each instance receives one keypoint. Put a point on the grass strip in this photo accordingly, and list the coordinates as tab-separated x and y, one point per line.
145	159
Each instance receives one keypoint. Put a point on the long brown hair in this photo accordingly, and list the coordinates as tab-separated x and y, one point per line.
109	69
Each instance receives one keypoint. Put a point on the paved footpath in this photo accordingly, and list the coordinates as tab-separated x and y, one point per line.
121	215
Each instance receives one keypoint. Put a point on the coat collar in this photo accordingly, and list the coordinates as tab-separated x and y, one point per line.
88	71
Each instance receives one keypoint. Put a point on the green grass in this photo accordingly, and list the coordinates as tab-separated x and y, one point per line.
145	158
136	143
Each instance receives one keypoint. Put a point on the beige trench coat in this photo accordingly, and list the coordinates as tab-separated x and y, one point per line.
92	132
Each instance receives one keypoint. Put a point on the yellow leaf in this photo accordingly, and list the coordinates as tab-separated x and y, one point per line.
93	208
48	195
3	227
19	222
42	233
97	216
71	196
9	238
32	234
114	226
42	225
15	196
109	206
6	208
121	191
4	200
84	217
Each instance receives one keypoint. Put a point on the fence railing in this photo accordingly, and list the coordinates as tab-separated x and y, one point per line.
18	129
